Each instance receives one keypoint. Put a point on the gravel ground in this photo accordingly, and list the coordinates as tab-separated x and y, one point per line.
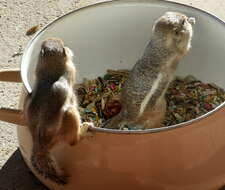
16	17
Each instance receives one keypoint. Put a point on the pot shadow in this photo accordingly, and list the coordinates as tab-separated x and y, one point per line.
15	175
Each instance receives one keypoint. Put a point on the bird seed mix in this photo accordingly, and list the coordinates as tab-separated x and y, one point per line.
187	98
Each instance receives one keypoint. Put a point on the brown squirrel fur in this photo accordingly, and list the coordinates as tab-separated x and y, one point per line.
51	109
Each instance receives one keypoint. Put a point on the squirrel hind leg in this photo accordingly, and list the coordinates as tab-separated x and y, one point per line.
153	117
151	120
116	122
70	129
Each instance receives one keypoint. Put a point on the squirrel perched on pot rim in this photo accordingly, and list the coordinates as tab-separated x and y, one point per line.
51	110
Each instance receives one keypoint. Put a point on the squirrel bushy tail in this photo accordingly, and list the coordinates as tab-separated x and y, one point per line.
46	166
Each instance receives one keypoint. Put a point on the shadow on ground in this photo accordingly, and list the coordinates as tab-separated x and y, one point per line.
15	175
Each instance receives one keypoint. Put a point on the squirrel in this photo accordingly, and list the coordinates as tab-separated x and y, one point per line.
142	98
51	110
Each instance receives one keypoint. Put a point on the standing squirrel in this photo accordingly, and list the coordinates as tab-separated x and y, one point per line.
142	99
51	111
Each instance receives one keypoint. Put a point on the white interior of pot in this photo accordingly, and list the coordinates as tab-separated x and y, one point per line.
113	35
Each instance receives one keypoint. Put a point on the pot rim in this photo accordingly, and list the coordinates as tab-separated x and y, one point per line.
27	86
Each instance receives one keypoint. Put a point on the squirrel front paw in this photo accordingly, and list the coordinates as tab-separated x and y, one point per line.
84	130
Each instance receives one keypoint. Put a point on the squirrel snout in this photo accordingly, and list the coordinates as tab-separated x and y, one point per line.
191	20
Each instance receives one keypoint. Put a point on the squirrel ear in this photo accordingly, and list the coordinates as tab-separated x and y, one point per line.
68	51
191	20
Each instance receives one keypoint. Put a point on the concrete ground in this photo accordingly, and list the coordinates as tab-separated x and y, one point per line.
16	16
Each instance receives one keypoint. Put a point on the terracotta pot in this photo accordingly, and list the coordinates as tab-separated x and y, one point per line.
188	156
